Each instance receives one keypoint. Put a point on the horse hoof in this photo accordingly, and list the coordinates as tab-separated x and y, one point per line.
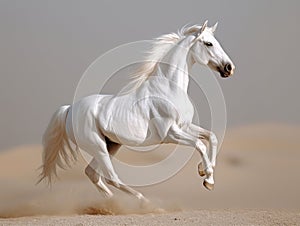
208	186
200	170
201	173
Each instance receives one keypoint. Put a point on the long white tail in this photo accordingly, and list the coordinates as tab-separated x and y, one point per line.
55	141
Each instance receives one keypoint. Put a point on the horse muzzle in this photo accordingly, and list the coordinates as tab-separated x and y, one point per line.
227	70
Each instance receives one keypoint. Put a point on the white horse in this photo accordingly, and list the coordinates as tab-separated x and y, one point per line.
158	110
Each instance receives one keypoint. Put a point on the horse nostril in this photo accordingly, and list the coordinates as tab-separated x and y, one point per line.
228	68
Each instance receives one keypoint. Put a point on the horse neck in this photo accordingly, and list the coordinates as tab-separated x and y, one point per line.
176	64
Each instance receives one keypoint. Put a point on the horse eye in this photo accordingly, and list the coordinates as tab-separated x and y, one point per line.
208	44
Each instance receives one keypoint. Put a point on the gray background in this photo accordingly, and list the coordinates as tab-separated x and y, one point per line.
45	46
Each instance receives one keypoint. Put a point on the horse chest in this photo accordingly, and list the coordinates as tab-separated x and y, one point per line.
186	113
183	107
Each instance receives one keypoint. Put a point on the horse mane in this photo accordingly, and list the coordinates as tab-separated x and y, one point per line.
160	47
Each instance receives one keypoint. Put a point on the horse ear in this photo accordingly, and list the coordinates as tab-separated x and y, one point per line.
197	34
203	26
214	28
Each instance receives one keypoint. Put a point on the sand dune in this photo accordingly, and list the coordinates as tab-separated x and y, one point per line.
258	168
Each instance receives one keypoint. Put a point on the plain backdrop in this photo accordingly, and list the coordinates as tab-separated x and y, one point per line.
45	46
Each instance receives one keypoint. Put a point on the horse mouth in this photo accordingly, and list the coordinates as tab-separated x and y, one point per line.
224	74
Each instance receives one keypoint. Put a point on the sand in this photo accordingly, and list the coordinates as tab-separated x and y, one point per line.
200	217
257	183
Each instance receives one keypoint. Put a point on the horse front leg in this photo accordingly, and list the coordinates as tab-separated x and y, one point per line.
211	138
179	135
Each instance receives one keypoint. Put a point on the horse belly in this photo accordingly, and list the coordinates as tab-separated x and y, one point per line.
126	132
142	133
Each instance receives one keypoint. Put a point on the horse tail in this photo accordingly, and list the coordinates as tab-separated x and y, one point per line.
55	140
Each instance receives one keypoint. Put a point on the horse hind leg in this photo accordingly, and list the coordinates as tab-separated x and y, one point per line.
97	180
127	189
112	149
102	165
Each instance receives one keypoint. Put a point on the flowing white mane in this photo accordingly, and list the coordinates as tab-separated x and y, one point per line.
160	48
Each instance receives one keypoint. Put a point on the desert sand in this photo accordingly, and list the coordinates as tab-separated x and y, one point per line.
257	183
